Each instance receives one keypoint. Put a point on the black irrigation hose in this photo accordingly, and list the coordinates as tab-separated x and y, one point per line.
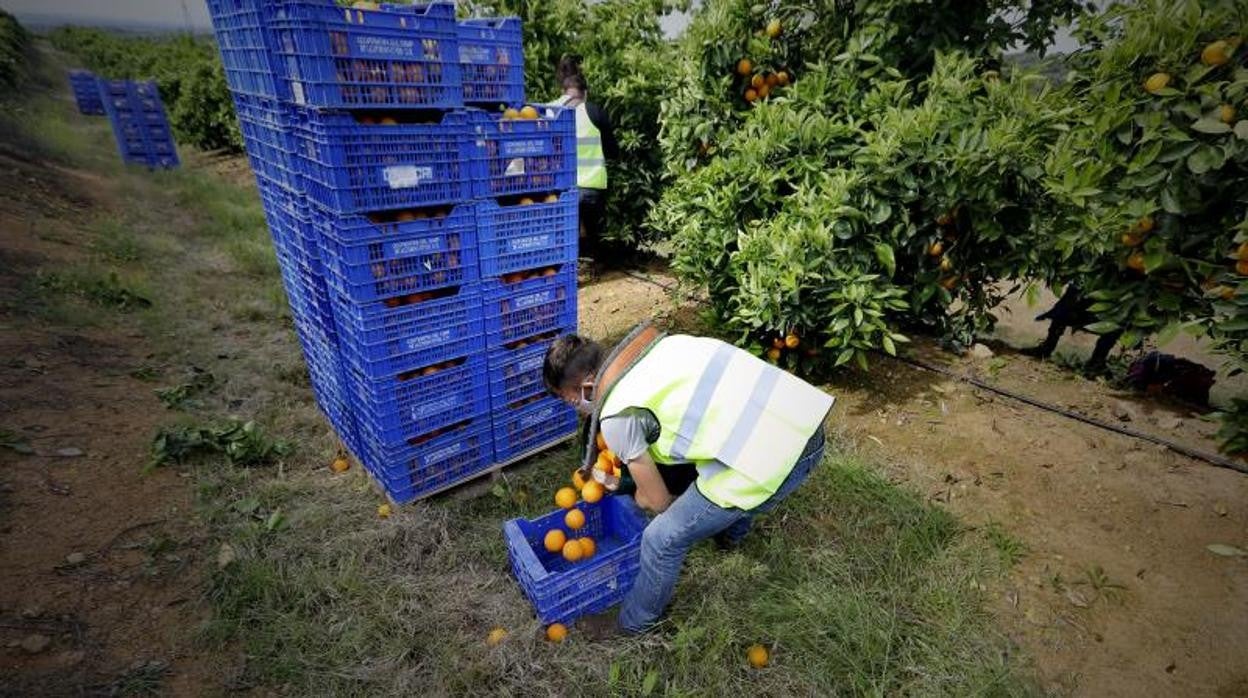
1210	458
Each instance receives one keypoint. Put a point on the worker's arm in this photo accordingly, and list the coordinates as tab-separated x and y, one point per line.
652	492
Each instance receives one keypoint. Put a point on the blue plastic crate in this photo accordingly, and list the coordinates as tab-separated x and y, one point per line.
382	341
409	406
248	47
530	425
416	255
491	61
519	237
352	166
521	156
563	591
268	135
516	374
519	311
332	57
139	123
86	90
410	472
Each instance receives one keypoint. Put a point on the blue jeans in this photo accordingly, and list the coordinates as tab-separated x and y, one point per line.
691	518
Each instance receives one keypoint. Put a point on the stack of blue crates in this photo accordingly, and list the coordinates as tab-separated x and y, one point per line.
139	122
86	90
382	184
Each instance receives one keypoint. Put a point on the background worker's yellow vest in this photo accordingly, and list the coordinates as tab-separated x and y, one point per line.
591	164
715	402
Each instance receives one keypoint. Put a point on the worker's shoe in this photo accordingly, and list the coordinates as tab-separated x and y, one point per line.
600	626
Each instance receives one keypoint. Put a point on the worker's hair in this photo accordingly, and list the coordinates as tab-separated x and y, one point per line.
570	360
576	81
569	64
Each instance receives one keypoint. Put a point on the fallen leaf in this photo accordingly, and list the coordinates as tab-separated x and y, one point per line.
1226	550
1076	599
226	556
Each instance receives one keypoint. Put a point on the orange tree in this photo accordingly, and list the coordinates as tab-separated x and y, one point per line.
1150	185
886	181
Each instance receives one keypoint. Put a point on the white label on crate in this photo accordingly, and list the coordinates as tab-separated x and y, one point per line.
536	146
474	54
425	341
531	364
530	242
389	47
537	417
427	408
514	168
297	89
533	299
443	453
407	176
420	246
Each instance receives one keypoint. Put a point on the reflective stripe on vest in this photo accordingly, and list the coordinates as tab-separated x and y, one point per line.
715	402
591	165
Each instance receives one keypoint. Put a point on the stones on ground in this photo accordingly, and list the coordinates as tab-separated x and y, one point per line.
226	556
1169	422
979	352
1076	599
70	452
1123	411
1219	508
75	559
36	643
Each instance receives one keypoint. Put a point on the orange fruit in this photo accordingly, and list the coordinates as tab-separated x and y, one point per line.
389	121
510	113
578	480
771	80
757	81
1226	113
600	442
587	547
782	78
936	249
757	655
1241	252
1144	225
405	216
944	219
565	497
551	198
1241	267
556	632
1156	83
751	95
604	463
383	511
946	264
1227	293
1131	240
949	283
572	551
366	120
496	636
554	540
777	342
792	340
526	201
744	67
773	29
593	491
1216	53
528	112
340	465
773	355
574	519
764	91
1136	261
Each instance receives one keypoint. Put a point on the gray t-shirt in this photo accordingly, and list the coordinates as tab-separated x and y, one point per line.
625	433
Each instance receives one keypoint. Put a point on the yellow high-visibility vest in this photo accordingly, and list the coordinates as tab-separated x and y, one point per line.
591	163
742	421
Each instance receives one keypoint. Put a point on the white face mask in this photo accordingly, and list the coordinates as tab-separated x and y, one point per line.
584	407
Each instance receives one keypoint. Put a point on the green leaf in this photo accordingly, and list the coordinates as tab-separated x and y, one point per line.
1169	202
1202	161
1103	327
1211	126
844	357
889	347
884	253
1154	259
1168	333
274	521
1130	339
1241	129
648	684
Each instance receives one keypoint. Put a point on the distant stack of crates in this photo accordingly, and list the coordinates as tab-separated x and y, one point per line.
426	268
86	90
139	123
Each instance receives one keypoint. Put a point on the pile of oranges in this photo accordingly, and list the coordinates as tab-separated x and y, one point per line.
787	341
556	541
761	84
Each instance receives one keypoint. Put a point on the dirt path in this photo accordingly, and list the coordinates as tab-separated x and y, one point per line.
99	564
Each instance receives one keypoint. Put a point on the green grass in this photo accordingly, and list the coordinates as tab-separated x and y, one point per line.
858	586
